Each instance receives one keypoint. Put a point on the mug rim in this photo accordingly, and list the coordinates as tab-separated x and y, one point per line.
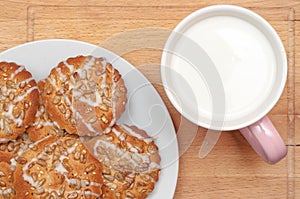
236	11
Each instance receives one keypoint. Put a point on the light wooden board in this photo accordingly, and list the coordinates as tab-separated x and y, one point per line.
232	169
297	172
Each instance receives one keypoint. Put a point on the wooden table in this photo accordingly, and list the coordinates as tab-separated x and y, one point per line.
232	169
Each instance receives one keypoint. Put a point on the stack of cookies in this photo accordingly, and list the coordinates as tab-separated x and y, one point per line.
59	138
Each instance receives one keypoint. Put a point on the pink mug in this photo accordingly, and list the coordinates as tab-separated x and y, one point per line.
254	125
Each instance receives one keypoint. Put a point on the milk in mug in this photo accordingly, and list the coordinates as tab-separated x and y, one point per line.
243	57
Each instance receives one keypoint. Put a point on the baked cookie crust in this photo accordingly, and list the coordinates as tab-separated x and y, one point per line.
85	95
18	100
130	161
58	167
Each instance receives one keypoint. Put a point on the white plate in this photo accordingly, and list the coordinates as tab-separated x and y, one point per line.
145	108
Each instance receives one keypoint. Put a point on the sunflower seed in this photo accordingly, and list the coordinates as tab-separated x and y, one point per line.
73	195
129	194
39	191
82	158
56	100
41	182
22	84
22	113
107	102
44	157
53	195
2	184
106	171
3	89
41	162
21	160
11	96
109	177
93	120
103	107
112	186
2	174
70	142
145	177
104	119
67	114
77	155
34	176
10	146
90	168
119	177
62	108
61	191
26	105
67	166
88	194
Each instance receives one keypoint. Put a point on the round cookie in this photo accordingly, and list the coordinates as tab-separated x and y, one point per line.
58	168
18	100
130	162
6	181
85	95
43	125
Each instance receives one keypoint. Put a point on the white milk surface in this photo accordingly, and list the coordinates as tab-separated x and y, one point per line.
244	59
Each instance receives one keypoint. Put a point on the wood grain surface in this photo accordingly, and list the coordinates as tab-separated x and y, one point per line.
137	30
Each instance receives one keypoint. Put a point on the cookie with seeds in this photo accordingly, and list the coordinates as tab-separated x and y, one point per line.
85	95
43	125
18	100
124	185
11	151
58	168
6	181
130	161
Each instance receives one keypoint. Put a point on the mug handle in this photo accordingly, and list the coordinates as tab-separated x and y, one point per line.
265	140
